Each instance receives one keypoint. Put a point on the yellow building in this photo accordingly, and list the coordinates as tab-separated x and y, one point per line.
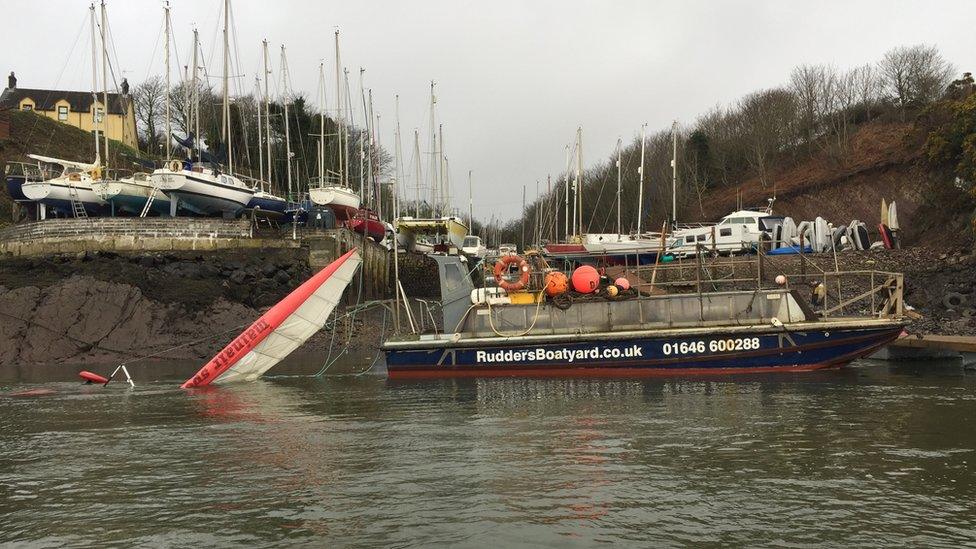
78	109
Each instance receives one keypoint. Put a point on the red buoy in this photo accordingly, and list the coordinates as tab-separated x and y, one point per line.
89	377
585	279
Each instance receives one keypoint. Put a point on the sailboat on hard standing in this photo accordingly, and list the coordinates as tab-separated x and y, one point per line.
334	192
71	192
202	187
264	203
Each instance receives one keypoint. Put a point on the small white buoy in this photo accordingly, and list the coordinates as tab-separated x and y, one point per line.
781	280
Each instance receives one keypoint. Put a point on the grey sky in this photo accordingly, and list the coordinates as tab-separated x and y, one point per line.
514	79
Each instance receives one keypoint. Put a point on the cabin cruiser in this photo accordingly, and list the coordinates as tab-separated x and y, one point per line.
740	231
472	246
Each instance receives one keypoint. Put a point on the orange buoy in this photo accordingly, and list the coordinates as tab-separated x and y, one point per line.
556	283
501	270
586	279
622	283
90	377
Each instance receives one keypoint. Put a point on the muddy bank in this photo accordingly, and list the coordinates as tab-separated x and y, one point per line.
107	308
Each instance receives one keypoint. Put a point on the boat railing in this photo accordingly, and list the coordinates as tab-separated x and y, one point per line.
832	292
30	172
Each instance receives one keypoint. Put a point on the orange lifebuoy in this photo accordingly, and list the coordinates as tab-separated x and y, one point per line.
501	268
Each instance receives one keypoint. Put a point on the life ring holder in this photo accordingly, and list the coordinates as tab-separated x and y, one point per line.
175	166
501	268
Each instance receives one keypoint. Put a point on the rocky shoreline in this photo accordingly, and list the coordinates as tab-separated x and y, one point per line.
104	308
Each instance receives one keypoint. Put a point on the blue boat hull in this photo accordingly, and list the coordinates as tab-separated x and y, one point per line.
15	188
267	205
735	351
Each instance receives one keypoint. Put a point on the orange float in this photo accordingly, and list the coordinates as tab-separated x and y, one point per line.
501	271
556	283
586	279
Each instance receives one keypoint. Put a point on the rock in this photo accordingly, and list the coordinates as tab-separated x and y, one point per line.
238	277
282	277
269	270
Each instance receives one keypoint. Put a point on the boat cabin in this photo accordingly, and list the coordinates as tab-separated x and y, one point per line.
737	232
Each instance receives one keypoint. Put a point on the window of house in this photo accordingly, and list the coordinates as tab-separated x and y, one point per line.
27	107
99	114
62	113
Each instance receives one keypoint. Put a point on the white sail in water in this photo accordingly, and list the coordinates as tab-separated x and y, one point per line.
281	330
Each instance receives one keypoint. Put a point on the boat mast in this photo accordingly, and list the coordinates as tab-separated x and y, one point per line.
322	125
338	120
226	105
257	91
374	188
441	184
640	186
284	85
104	83
619	166
267	107
416	146
579	172
94	47
398	167
363	196
169	129
345	127
470	204
196	97
566	197
674	172
434	193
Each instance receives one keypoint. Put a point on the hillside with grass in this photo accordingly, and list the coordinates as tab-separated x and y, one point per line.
31	133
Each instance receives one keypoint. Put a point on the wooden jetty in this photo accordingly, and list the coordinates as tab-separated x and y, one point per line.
931	346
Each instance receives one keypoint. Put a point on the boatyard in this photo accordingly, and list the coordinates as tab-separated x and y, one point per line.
374	275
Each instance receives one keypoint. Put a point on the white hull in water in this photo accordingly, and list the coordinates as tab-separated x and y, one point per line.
341	200
203	191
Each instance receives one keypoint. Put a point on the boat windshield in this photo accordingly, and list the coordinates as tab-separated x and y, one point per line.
471	242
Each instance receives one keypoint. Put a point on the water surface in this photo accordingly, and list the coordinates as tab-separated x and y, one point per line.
873	455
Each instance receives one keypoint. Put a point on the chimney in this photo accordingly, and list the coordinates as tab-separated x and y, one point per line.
12	81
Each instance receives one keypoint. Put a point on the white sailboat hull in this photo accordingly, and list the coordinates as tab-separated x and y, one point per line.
202	192
342	200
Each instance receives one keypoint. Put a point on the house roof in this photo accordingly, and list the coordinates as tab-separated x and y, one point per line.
46	100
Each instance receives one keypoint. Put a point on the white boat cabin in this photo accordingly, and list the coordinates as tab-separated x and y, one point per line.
739	231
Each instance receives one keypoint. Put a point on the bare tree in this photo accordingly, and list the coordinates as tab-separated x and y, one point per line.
149	99
914	76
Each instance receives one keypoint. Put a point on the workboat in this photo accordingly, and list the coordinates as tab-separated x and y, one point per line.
535	328
132	194
70	193
202	188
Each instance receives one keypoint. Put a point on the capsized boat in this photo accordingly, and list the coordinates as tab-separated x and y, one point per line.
281	330
769	329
